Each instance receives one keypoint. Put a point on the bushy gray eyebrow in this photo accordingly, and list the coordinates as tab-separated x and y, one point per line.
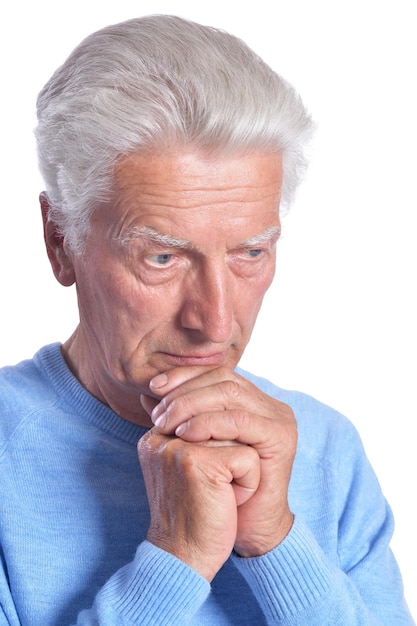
273	232
146	231
174	242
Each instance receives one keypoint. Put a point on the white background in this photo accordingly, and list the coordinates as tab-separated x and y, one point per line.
339	322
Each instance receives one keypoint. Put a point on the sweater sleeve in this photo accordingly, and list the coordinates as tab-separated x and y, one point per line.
156	589
336	570
297	584
355	581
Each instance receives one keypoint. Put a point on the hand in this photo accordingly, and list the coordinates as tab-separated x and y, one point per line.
193	492
201	405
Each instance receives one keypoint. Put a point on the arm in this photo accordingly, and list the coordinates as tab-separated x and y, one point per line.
298	579
205	499
291	575
156	589
162	589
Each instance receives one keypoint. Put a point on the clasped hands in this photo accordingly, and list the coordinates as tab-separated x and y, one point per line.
216	465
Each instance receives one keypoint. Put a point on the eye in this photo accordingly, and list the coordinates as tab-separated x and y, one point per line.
250	254
162	259
255	252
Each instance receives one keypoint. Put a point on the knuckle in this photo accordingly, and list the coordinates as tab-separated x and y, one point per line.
251	452
231	388
144	444
240	420
286	439
292	438
188	460
181	406
147	447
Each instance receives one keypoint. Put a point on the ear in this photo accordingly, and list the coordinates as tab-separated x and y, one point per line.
55	246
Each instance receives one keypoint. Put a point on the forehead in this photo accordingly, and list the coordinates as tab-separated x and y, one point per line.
188	189
183	171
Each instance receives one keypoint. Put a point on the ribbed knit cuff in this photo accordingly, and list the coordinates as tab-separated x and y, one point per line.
292	578
155	589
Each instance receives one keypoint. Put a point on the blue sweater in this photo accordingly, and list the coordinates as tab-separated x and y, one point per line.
74	517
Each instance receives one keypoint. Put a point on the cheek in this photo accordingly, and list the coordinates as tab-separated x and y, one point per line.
104	303
269	276
139	312
249	298
263	283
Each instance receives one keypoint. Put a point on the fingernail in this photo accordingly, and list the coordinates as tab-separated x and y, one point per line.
158	410
180	430
158	381
160	421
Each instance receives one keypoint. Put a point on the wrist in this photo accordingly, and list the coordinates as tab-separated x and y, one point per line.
262	544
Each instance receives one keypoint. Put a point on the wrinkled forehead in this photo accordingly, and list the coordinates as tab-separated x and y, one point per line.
186	199
187	178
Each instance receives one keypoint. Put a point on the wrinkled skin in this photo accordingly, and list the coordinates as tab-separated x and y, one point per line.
169	287
206	500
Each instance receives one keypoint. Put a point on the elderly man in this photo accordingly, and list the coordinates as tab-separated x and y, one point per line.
167	150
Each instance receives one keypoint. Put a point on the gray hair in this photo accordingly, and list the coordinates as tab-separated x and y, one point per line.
150	83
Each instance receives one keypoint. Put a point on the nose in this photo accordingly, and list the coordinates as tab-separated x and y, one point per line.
207	307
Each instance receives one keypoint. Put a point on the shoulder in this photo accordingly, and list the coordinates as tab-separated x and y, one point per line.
27	375
24	388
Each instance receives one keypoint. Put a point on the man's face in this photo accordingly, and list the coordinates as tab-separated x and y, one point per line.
174	270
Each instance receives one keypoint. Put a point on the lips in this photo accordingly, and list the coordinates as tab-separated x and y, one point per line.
180	360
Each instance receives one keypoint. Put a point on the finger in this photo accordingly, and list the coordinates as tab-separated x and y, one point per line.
237	463
262	433
230	394
172	411
179	381
163	383
216	443
244	465
222	462
246	472
235	425
172	383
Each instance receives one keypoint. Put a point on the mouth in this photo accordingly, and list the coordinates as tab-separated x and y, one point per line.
182	360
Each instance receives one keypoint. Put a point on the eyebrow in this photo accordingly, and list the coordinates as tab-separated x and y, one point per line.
273	232
146	231
174	242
